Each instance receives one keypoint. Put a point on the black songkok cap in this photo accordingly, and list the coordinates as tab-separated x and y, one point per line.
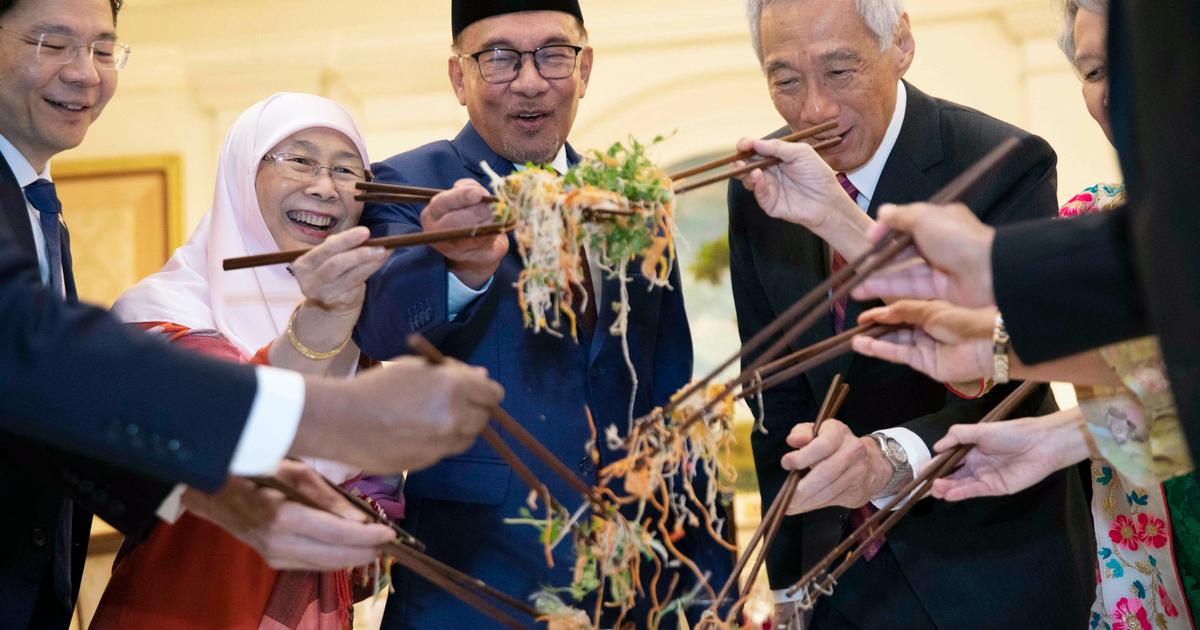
464	13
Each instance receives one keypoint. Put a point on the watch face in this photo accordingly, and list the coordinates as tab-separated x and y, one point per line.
895	451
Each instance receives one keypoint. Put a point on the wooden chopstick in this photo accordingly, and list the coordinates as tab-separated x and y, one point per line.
873	529
779	505
389	197
745	155
423	347
746	168
389	242
801	361
951	192
595	213
413	558
828	409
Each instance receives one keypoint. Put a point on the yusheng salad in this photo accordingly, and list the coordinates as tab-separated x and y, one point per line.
548	240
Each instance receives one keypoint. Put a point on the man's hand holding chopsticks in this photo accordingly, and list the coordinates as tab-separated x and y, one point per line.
802	189
474	260
843	469
287	534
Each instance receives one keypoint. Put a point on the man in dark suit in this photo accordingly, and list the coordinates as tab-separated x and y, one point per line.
93	418
825	61
462	297
1069	286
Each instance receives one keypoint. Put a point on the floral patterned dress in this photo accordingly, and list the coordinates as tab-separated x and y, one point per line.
1143	572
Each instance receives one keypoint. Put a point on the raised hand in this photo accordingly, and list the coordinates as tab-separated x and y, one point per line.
802	189
1011	456
957	252
287	534
473	261
333	275
946	342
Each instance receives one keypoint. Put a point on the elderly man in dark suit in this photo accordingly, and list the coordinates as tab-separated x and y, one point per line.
94	418
520	68
825	60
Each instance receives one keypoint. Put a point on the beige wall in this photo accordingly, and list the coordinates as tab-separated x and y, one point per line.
662	66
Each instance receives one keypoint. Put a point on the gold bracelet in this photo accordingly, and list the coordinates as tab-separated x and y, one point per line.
305	350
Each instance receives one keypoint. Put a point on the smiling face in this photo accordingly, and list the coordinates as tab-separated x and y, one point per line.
823	63
46	108
1091	63
301	213
528	118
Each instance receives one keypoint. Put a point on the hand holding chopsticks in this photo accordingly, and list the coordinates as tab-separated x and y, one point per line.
409	553
821	579
772	518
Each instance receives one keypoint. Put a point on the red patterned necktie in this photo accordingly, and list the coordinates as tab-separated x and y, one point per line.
589	314
839	307
860	515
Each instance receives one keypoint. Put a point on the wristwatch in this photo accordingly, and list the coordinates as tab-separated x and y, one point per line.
1000	345
896	455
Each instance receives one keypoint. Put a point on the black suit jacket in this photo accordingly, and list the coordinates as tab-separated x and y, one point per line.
942	548
1133	271
92	419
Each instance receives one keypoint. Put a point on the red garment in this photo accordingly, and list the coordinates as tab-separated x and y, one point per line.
192	575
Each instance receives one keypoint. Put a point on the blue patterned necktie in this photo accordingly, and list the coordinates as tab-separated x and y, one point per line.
44	198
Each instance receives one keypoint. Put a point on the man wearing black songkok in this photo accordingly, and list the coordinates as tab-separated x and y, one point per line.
520	67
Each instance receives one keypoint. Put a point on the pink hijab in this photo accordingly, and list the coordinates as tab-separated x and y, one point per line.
249	307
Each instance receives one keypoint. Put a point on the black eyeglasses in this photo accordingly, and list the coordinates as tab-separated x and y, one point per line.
502	65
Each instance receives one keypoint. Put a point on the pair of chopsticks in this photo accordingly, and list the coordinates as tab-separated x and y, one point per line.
797	136
808	310
773	517
409	553
376	192
387	242
820	580
423	347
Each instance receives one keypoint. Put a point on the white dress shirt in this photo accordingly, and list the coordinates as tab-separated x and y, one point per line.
278	401
866	178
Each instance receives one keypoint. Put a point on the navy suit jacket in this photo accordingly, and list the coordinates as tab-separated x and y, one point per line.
93	418
941	548
457	507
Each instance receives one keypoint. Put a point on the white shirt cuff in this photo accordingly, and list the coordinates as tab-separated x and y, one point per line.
459	295
918	455
781	596
271	427
172	507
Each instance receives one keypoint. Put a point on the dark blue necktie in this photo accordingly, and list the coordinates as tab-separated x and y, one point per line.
44	198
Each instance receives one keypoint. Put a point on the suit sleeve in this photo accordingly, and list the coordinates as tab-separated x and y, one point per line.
779	405
1052	278
1028	192
75	381
409	294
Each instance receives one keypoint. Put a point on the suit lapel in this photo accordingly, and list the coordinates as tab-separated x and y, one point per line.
904	178
793	261
13	210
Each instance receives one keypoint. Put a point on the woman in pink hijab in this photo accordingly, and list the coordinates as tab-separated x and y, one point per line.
286	180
